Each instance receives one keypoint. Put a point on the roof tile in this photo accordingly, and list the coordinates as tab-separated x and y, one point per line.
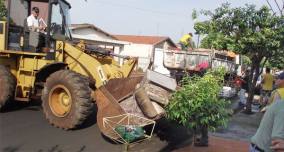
143	39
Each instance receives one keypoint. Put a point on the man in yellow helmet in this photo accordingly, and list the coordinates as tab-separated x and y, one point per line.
186	42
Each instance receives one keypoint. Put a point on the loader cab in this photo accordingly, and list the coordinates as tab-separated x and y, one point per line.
19	37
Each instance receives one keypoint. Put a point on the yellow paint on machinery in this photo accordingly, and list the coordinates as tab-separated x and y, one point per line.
2	35
24	66
101	69
68	75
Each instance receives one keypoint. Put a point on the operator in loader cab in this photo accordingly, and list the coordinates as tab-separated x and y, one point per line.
34	23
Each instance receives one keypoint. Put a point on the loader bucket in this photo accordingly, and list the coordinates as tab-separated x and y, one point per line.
136	100
108	98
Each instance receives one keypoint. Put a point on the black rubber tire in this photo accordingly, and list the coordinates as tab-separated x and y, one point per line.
7	88
82	103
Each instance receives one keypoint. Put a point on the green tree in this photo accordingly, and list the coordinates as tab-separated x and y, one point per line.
277	61
255	33
3	10
197	103
245	60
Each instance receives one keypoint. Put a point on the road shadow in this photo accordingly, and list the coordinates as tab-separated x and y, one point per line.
176	135
109	140
55	148
12	106
91	119
35	105
11	149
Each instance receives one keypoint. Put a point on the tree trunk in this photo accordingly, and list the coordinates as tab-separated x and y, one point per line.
254	74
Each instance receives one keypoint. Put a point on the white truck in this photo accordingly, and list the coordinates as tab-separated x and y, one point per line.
177	63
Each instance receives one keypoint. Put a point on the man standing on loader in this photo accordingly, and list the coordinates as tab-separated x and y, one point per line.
186	42
34	23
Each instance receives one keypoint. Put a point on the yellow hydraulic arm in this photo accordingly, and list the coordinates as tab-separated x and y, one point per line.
99	68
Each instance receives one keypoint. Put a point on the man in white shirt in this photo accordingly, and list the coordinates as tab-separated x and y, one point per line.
33	22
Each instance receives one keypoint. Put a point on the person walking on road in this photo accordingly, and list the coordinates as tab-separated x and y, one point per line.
267	86
244	89
271	128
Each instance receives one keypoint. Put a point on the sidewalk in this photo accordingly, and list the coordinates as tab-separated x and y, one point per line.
217	144
169	137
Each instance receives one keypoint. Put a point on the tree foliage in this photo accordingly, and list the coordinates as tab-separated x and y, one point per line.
244	30
277	61
255	33
245	60
3	10
197	102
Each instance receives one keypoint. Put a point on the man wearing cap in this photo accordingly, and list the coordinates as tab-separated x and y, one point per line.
33	21
278	94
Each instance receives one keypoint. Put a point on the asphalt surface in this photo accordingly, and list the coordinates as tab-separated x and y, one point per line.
23	128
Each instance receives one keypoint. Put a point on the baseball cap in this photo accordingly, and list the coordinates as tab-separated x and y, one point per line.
281	76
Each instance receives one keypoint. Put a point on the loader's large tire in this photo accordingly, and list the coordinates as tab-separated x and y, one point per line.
66	99
7	88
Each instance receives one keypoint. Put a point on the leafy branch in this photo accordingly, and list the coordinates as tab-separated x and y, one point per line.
197	102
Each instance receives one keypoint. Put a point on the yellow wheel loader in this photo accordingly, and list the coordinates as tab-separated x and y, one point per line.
68	76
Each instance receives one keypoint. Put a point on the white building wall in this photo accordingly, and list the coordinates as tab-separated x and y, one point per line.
137	50
91	34
142	51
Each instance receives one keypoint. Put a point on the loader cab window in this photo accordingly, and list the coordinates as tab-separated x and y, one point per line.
18	11
60	20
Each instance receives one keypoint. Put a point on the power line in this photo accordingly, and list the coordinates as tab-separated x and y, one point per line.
141	9
271	8
278	7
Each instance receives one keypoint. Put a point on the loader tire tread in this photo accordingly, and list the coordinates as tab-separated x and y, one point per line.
80	91
8	84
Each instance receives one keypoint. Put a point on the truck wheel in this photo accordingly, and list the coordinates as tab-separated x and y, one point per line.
7	88
66	99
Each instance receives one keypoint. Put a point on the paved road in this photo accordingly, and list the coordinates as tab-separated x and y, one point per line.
24	129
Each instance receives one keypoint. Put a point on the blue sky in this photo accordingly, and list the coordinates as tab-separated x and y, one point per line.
170	18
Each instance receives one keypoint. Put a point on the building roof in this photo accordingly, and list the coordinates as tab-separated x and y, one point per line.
152	40
112	40
86	25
